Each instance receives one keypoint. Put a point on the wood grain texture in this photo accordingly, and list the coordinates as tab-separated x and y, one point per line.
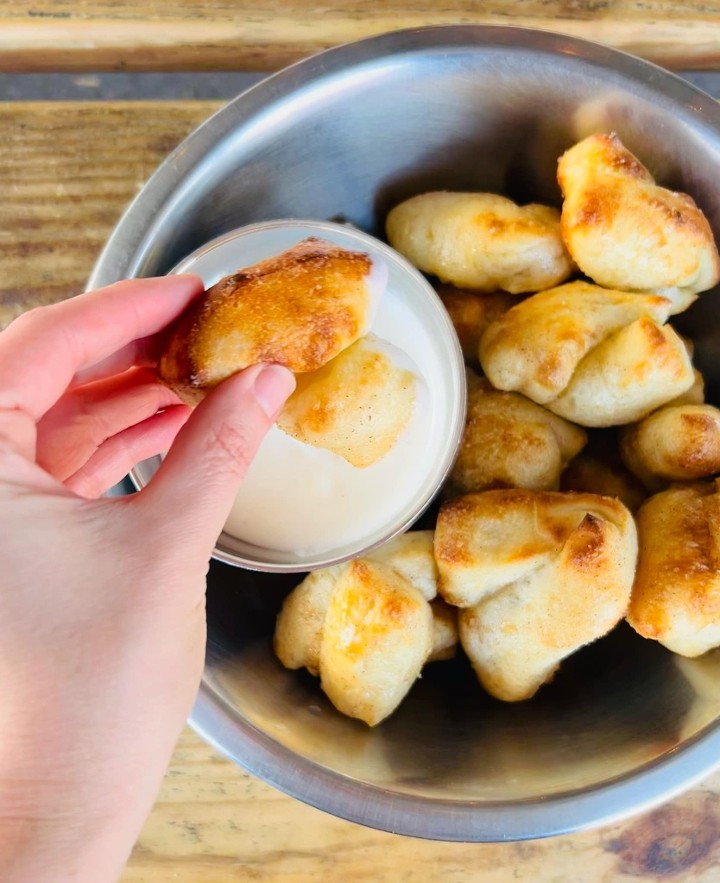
216	824
44	35
66	173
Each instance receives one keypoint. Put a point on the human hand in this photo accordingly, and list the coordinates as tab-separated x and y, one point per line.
102	617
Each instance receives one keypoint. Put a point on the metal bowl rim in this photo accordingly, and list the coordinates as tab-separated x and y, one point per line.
430	818
124	241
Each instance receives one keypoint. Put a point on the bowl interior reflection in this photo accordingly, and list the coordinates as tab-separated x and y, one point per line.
615	705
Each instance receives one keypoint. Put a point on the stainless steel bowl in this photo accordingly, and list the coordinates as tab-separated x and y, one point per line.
350	133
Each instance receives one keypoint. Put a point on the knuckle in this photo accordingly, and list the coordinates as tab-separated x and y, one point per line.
230	447
26	319
85	483
31	321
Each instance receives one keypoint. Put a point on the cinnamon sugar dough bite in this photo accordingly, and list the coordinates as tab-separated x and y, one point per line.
481	241
368	627
592	355
675	443
625	231
471	312
676	596
509	441
299	309
537	576
357	405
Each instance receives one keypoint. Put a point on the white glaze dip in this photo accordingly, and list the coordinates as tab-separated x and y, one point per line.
301	499
302	507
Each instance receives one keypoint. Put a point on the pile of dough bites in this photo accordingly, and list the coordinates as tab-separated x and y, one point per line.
583	492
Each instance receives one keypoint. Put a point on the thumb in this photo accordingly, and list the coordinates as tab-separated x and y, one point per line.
202	472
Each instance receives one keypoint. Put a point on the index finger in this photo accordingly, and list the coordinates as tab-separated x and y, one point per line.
42	351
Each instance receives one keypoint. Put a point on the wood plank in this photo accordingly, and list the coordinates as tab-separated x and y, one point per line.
46	35
214	823
66	173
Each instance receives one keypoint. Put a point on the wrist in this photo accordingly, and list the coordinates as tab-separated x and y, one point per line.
60	849
72	801
55	826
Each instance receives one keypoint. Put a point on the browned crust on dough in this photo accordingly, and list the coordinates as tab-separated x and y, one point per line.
296	307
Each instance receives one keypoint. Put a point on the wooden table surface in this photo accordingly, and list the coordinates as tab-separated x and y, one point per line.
266	34
64	184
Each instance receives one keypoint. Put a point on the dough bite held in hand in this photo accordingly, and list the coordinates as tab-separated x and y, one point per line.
537	575
676	597
299	309
509	441
357	406
481	241
626	232
594	356
367	627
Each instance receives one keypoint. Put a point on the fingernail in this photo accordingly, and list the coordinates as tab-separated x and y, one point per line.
273	385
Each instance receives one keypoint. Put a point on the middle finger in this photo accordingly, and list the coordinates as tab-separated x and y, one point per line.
86	416
141	353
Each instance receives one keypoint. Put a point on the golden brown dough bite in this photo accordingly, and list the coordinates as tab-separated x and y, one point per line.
299	627
471	312
676	597
693	396
299	309
626	232
509	441
445	631
675	443
357	406
367	627
537	575
599	469
411	555
377	634
594	356
481	241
